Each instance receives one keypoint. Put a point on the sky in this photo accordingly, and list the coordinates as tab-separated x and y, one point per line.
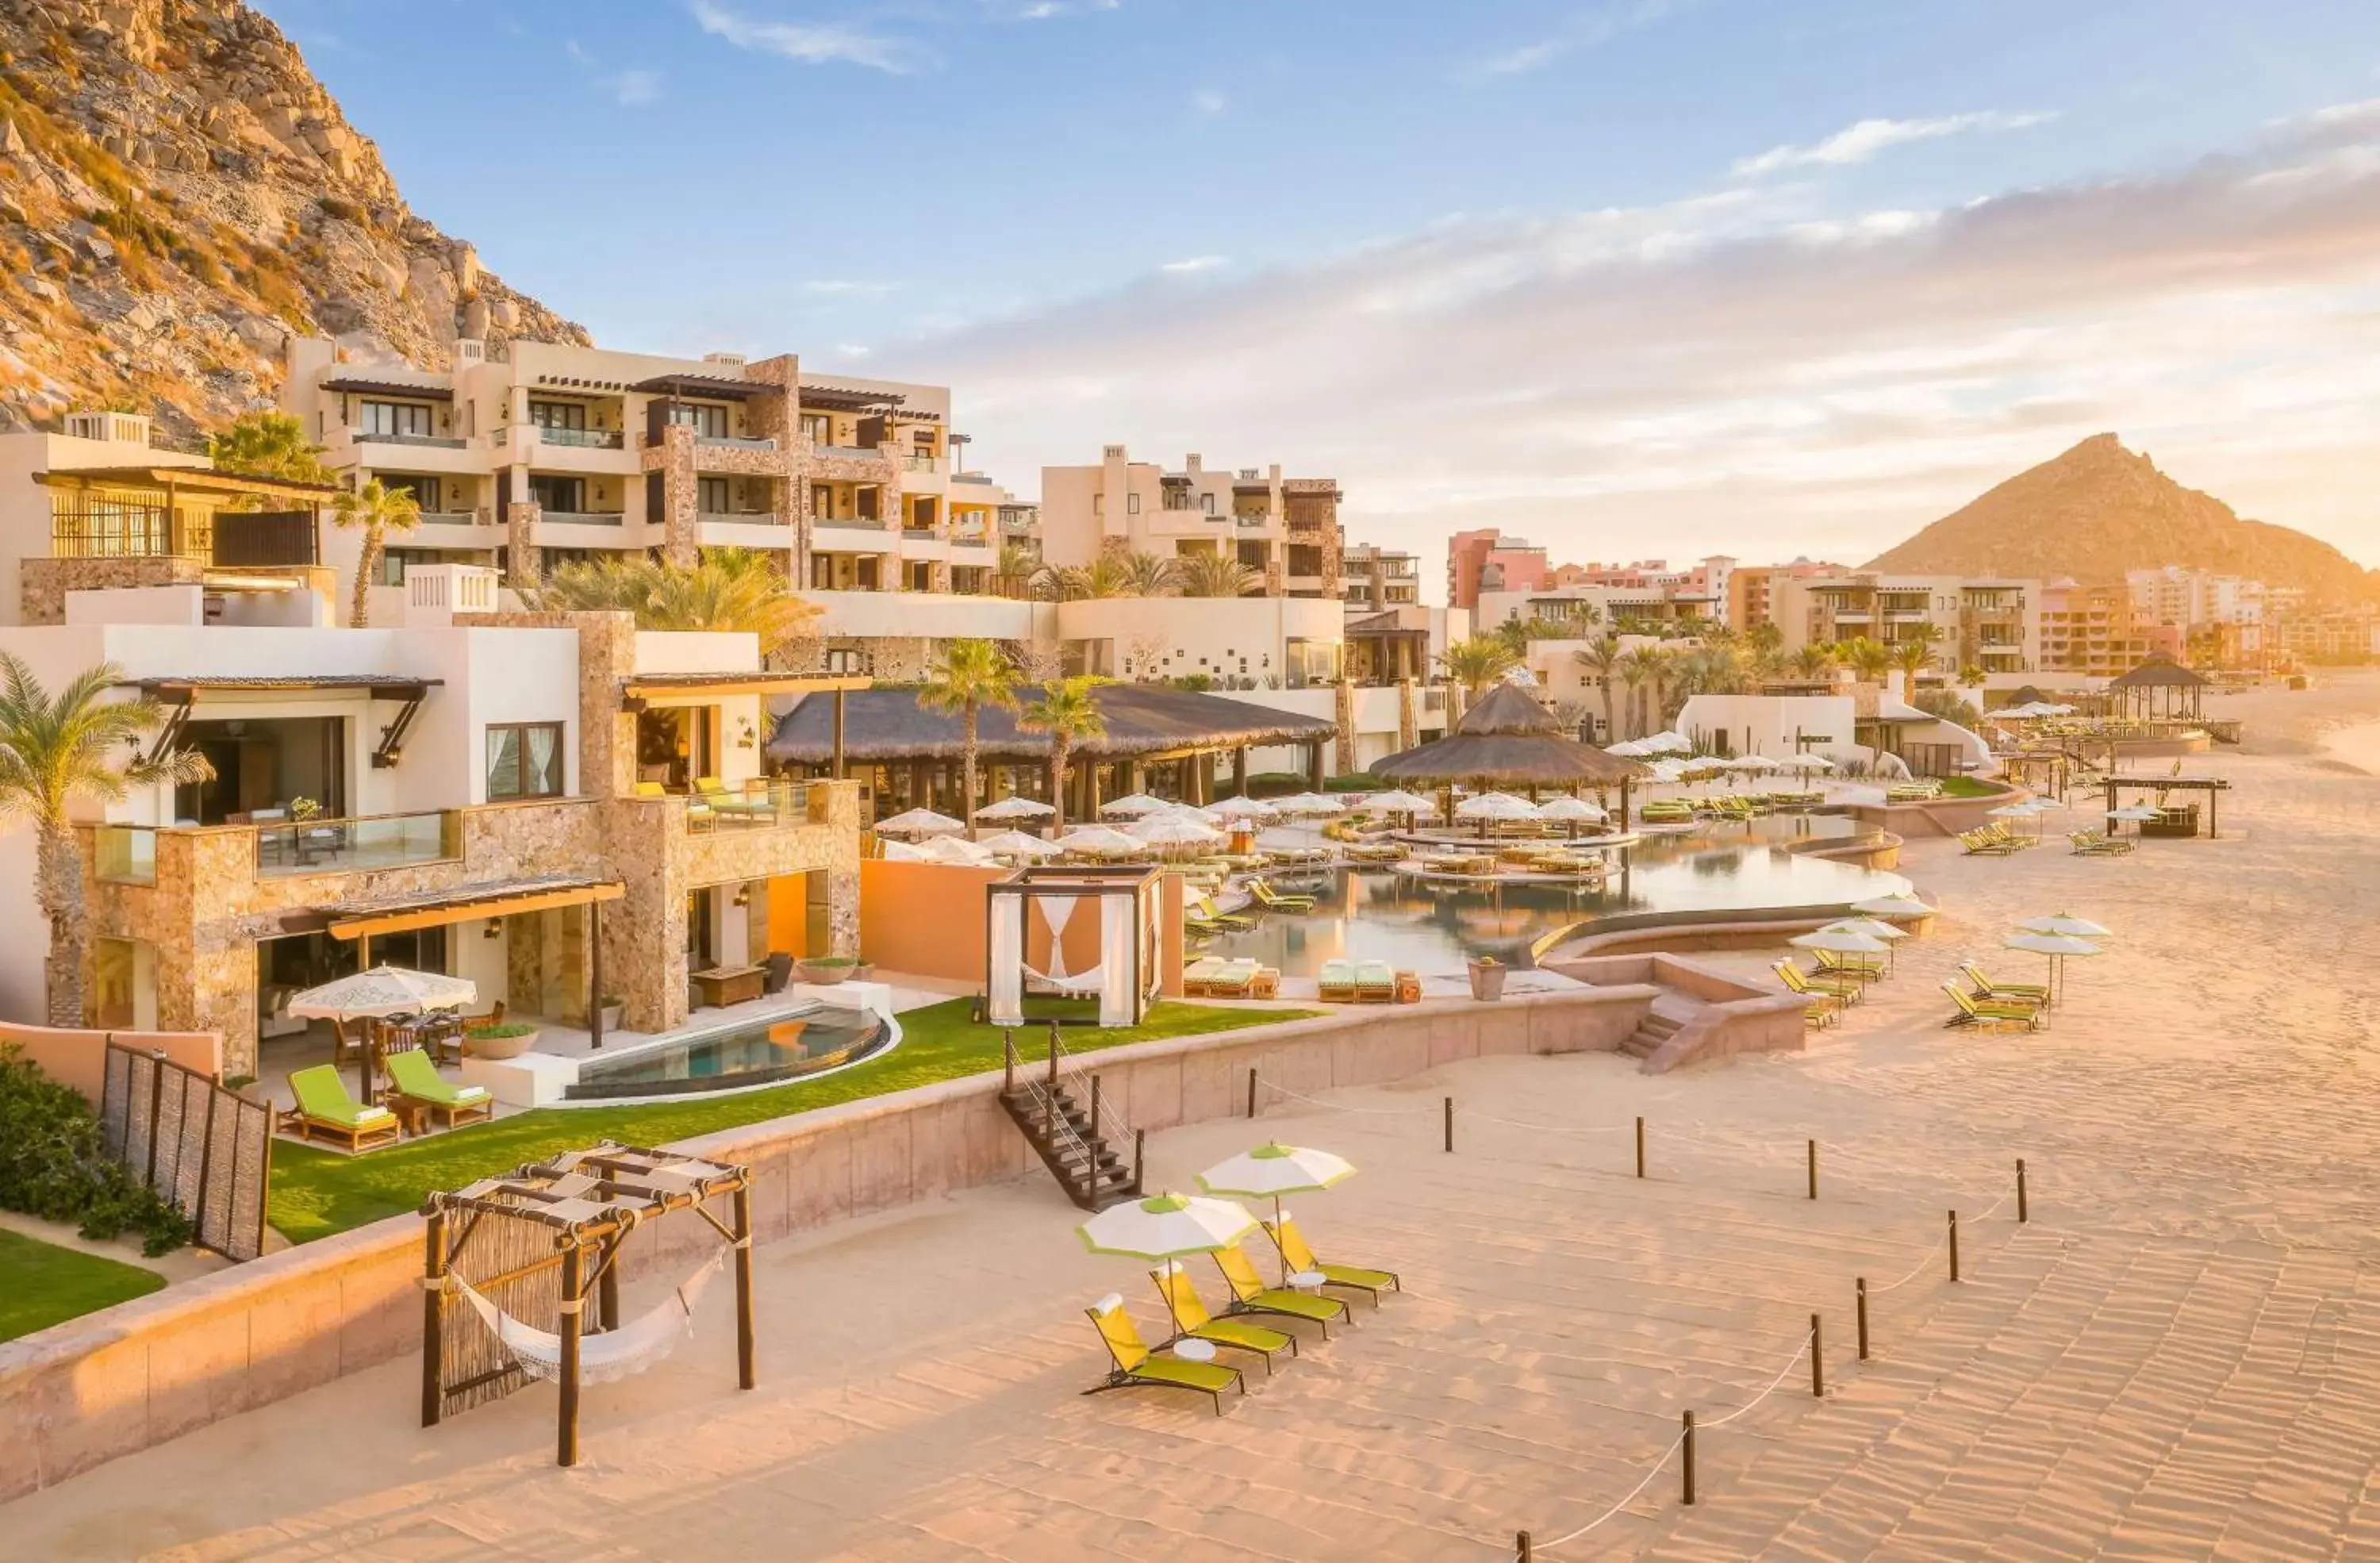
1634	279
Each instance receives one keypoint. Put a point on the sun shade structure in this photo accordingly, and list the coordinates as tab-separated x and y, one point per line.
1243	808
1015	808
1893	906
1840	941
521	1277
1112	956
1166	1226
1393	802
1141	720
1273	1170
1508	740
377	994
1099	840
1016	843
2066	922
2060	948
1133	806
919	822
1313	805
1496	806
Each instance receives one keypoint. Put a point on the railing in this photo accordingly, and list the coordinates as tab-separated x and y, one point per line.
850	452
735	441
770	804
918	534
916	461
587	438
84	528
584	517
852	523
1048	1087
975	539
970	477
357	845
450	518
742	517
436	442
125	854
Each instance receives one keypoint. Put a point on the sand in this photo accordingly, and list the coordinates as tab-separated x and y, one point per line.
2178	1357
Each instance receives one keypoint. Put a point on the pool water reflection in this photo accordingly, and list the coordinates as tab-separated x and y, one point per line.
784	1046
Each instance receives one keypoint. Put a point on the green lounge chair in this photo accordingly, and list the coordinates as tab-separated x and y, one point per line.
417	1082
325	1110
1136	1365
1839	985
1250	1295
1336	982
1299	1259
1201	908
1198	973
1268	897
1192	1320
1376	983
1866	968
2022	992
1974	1011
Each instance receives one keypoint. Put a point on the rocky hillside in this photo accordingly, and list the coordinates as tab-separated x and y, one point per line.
2100	510
177	193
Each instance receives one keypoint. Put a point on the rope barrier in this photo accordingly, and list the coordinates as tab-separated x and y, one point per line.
1939	1243
1343	1107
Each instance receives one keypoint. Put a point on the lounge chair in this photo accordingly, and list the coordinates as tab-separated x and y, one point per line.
1819	1009
1336	982
1198	973
1201	909
1838	985
1974	1011
1300	1259
1135	1366
1268	897
1232	979
324	1109
1376	983
417	1082
1986	988
651	790
1192	1320
1866	968
2094	843
1250	1295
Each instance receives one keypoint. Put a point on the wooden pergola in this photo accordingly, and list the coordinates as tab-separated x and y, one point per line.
2160	688
542	1241
2160	786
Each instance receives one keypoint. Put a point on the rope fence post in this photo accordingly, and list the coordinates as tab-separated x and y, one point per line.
1954	1245
1252	1091
1814	1168
1639	1145
2021	1214
1686	1446
1859	1292
1450	1125
1520	1549
1817	1357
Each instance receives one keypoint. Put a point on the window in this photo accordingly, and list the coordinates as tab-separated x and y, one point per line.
1206	503
1098	504
818	428
710	496
428	492
558	414
1131	504
920	576
708	423
402	419
847	663
524	760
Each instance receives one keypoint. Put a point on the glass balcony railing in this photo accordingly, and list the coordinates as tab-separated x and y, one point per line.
759	805
587	438
125	854
357	845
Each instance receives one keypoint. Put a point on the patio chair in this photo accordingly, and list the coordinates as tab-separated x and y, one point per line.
1193	1321
1135	1366
417	1084
1232	978
1266	984
1336	982
1270	898
1866	968
1201	908
1840	987
1198	973
651	790
1986	988
1989	1013
1376	983
349	1046
779	968
1300	1258
325	1110
1250	1295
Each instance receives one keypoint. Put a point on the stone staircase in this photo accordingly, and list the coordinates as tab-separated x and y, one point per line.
1671	1012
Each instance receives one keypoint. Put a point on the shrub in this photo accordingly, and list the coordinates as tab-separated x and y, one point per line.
498	1033
1353	782
827	961
54	1165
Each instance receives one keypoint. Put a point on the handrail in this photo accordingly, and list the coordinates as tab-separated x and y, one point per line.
1107	1124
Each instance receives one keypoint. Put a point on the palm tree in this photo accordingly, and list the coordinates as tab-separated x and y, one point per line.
1066	714
1602	660
1214	575
729	589
1103	577
1814	661
1868	658
1477	662
1637	669
1765	639
1972	677
54	750
268	445
378	510
1911	657
1147	574
970	675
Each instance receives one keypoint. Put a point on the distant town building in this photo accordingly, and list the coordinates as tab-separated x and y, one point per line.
1992	623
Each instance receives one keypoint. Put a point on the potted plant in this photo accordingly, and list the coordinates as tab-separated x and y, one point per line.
827	970
509	1039
609	1006
1488	978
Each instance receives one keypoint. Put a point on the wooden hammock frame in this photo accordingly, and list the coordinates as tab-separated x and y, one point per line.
567	1217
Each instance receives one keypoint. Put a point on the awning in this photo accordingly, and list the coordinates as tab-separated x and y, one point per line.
186	479
838	398
180	691
489	897
645	688
389	388
716	387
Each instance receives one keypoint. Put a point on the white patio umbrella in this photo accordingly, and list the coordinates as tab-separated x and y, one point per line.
956	849
378	993
1015	807
1668	743
1893	906
1889	935
1016	843
1193	811
1400	803
1806	763
1496	806
1840	941
1628	748
1571	812
1242	808
1166	1226
902	852
1271	1171
2060	948
2068	924
1170	829
1314	804
1754	762
1099	840
919	822
1132	805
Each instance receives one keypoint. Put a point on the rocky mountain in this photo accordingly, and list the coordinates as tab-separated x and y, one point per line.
2099	510
177	193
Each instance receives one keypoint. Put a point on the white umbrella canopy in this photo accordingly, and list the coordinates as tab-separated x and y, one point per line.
1308	803
383	991
1193	811
1400	803
1628	748
1840	941
902	852
1166	1227
1099	840
2136	813
1753	762
1805	762
1893	906
1668	743
919	822
1016	843
956	849
2015	811
1271	1171
2068	924
1242	808
1568	809
1496	806
1132	805
1173	829
2059	946
1870	926
1016	808
1670	769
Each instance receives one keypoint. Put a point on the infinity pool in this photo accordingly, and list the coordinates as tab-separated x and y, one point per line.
1366	915
784	1046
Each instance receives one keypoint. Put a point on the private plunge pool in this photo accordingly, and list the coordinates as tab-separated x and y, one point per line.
1372	915
788	1045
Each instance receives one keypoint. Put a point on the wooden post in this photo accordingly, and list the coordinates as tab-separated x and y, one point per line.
574	1264
1007	1061
1954	1245
1817	1357
594	974
434	1317
1092	1172
1053	1060
2022	1214
1814	1168
1521	1550
1252	1091
1639	1145
607	1286
747	1371
1450	1125
1139	1148
1687	1448
837	762
1859	1292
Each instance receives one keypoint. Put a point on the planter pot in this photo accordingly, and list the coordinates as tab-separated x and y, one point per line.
496	1047
1488	982
827	976
611	1013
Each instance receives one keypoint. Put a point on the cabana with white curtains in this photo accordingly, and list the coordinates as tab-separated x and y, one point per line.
1038	916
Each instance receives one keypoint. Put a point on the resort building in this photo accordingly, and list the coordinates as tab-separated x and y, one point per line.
1487	561
2322	635
1283	530
1991	622
2098	632
1752	590
2194	599
561	807
1498	578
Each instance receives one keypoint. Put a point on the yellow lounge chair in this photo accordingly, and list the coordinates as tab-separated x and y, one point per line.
1836	985
1986	988
1250	1295
1300	1259
1136	1365
1268	897
1191	1319
1974	1011
1866	968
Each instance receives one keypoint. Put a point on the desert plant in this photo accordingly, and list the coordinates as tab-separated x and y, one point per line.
53	1164
267	444
376	510
728	588
1148	574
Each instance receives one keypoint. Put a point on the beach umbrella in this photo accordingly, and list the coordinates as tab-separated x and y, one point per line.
1132	805
1242	808
1874	929
919	822
377	994
1754	762
1840	941
1571	813
1194	811
1668	743
2059	946
1016	808
1271	1171
1099	840
902	852
1166	1226
1016	843
1806	763
1170	829
1496	806
1628	748
956	849
2068	924
1314	804
1893	906
1400	802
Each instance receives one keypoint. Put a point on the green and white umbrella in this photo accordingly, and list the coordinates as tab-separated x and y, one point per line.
1893	906
2059	946
1271	1171
1166	1226
1840	941
2066	922
1889	935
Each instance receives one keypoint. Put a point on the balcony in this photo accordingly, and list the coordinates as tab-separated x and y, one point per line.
741	517
583	518
762	803
425	442
82	527
918	461
125	854
734	443
584	438
970	477
359	845
850	452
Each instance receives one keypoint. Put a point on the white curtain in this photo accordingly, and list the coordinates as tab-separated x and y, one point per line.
1007	984
1057	911
1119	932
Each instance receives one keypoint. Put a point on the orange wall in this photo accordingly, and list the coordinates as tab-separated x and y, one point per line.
926	919
789	913
80	1058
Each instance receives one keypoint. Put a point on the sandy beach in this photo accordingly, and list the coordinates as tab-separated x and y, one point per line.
2176	1357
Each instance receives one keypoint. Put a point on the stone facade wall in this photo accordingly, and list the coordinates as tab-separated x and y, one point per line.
1311	505
42	583
1408	713
1344	715
523	556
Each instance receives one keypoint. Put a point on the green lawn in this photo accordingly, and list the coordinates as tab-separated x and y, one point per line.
317	1192
1968	787
49	1285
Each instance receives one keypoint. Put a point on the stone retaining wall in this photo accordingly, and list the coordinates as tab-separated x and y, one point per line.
126	1378
1736	1016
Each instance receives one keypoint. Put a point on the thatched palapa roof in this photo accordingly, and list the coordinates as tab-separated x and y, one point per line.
1142	719
1510	740
2160	672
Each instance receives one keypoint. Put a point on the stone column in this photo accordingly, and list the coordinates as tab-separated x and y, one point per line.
1408	713
939	578
843	912
681	527
1454	693
527	566
1343	711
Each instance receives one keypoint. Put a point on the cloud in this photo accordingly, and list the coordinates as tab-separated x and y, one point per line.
1857	144
631	87
1209	101
811	45
1589	30
851	350
847	286
1195	264
1747	371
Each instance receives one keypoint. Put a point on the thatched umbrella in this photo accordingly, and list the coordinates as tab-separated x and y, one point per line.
1509	740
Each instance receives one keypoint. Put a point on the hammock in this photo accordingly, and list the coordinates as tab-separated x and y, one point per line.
1083	986
611	1355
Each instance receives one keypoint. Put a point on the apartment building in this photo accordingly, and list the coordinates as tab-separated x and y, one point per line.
1752	590
1989	622
1283	530
2191	599
1487	561
2332	636
2099	631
